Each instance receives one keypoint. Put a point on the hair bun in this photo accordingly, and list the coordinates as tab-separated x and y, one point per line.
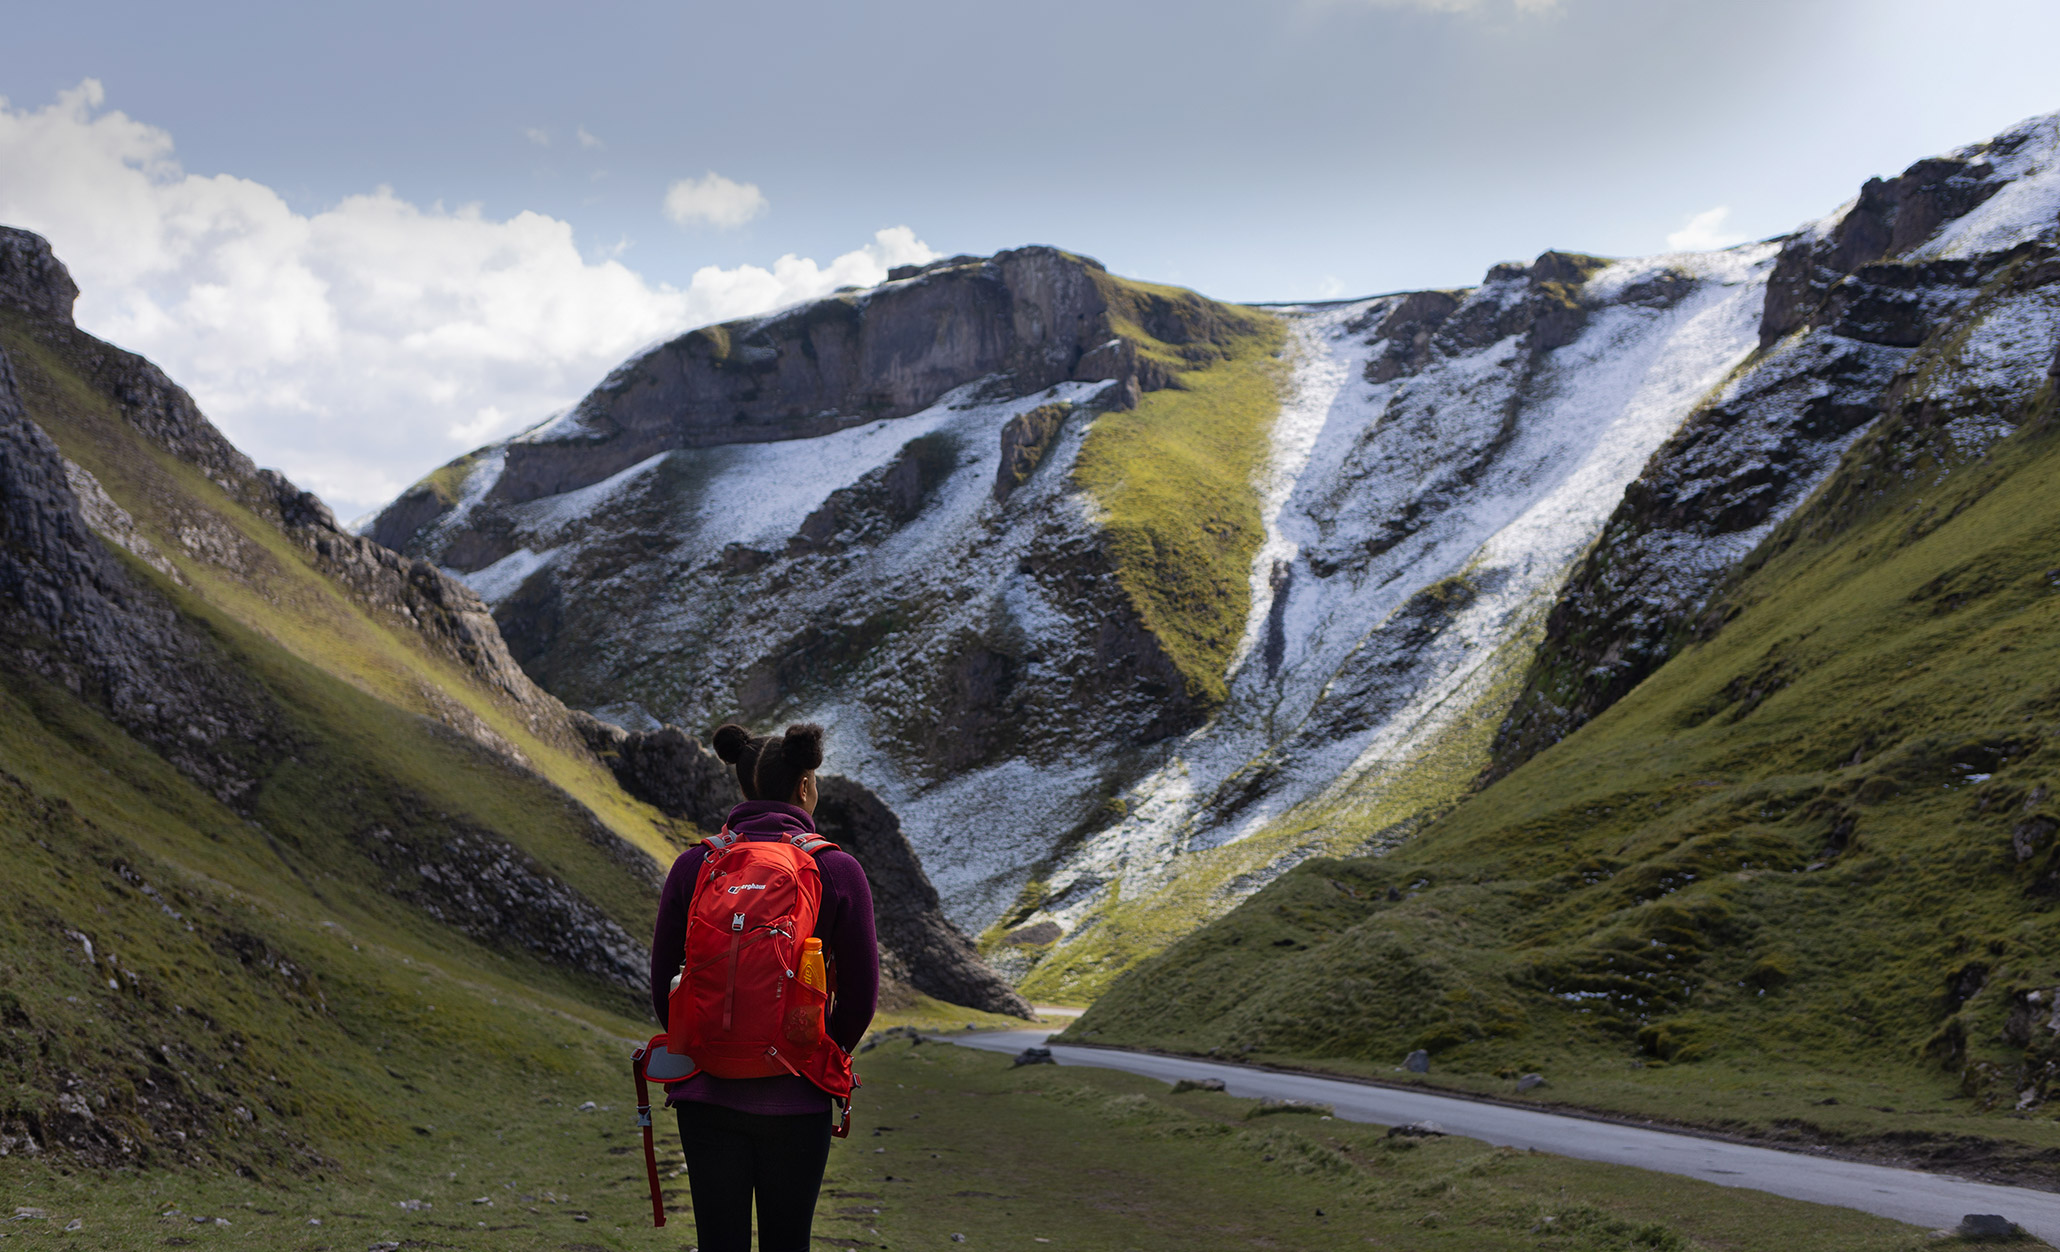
730	740
802	747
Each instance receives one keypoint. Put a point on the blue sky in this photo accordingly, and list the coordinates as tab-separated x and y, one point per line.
369	236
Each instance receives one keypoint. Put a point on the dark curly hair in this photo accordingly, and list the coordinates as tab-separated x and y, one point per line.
741	749
782	761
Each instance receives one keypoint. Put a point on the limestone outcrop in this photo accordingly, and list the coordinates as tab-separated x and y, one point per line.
1020	321
32	279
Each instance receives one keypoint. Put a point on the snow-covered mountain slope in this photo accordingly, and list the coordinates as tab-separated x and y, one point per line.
1927	288
938	582
1423	525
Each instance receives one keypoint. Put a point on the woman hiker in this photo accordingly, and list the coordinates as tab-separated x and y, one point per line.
767	1138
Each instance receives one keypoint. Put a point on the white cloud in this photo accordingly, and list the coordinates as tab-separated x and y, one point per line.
358	346
538	136
1704	232
587	140
714	200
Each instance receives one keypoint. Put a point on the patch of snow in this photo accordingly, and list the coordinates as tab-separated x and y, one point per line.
1317	378
2005	355
2028	205
479	480
627	714
565	424
551	514
500	580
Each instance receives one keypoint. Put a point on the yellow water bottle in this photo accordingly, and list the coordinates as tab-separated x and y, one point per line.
812	974
804	1016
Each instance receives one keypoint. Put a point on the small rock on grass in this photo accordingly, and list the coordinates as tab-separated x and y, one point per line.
1988	1228
1529	1081
1197	1084
1417	1062
1035	1056
1416	1130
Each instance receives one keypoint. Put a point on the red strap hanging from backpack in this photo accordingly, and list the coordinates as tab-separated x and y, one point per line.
636	1067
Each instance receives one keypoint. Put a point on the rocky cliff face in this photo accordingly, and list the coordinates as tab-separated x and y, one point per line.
70	612
441	610
1931	291
32	280
919	947
1019	322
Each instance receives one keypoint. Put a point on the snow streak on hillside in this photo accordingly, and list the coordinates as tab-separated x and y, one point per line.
1419	524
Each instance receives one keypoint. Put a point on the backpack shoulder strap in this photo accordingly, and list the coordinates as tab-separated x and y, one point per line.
812	843
720	839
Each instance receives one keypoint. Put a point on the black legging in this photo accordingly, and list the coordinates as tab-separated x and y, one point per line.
731	1155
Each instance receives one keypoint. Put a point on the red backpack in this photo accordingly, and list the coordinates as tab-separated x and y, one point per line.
742	1008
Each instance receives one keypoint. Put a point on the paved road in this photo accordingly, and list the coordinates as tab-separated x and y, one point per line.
1929	1200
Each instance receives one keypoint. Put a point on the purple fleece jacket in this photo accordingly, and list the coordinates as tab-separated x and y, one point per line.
845	925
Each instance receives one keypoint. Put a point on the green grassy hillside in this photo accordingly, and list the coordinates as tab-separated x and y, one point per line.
1802	881
1175	478
419	871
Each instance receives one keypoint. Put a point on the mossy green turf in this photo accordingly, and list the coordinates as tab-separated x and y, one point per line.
947	1141
1765	880
1175	479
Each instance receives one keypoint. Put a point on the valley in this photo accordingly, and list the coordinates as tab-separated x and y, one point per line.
1630	672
